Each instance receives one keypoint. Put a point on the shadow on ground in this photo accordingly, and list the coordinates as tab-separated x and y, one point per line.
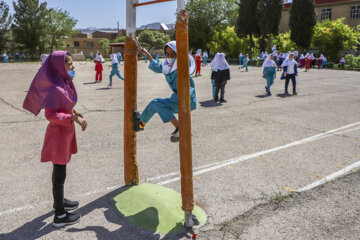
210	103
263	96
38	227
108	88
88	83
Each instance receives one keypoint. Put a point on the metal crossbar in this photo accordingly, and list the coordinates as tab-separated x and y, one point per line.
151	2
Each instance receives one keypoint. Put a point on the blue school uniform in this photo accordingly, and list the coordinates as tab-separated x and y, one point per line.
245	63
269	73
167	107
115	71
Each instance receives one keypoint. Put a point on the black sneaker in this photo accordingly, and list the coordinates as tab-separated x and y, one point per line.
138	126
69	205
66	219
295	93
216	100
223	101
175	136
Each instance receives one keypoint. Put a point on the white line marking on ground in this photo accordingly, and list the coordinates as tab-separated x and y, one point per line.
213	166
330	177
254	155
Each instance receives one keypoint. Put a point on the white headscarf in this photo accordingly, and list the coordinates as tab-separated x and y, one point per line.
100	58
205	54
288	62
198	52
342	60
312	56
169	68
307	55
268	62
219	62
274	48
321	56
296	53
302	57
241	55
4	55
43	58
114	59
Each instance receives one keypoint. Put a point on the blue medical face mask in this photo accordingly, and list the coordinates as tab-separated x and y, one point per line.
71	73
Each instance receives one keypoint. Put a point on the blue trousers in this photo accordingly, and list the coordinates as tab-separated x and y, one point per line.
163	106
270	81
117	74
213	88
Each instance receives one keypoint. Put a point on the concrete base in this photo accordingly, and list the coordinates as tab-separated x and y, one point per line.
154	208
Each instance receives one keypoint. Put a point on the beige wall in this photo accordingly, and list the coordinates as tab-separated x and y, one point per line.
84	46
340	10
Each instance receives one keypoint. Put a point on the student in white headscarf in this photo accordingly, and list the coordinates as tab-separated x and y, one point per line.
290	72
43	58
114	68
269	72
342	63
220	74
205	58
99	60
241	57
5	58
167	107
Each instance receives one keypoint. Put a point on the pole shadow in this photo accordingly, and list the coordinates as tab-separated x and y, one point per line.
89	83
38	228
210	103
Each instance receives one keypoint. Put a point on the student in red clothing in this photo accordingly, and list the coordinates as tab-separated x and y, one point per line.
198	63
98	67
53	90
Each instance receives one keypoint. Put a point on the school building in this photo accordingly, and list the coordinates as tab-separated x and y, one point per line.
90	42
327	9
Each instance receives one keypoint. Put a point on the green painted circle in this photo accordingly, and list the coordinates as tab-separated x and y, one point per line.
154	208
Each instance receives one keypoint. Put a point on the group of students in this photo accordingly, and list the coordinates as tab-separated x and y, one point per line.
116	58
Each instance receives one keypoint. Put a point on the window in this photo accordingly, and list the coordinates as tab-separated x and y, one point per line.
325	14
76	44
355	12
90	44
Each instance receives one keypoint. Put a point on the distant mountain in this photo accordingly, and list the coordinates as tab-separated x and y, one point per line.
151	26
157	26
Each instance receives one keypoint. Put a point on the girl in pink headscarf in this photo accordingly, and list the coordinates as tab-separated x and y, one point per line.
53	90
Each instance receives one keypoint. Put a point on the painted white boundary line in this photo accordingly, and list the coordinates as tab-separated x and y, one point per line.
242	158
213	166
329	178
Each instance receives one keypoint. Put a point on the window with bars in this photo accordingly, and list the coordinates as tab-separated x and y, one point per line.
325	14
355	12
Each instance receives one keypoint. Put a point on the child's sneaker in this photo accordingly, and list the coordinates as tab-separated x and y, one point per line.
69	205
175	135
138	124
66	219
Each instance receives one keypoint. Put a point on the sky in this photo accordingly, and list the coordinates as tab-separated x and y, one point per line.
106	13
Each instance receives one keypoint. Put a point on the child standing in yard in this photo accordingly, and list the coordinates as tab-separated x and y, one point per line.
269	72
198	63
307	63
53	90
99	67
115	68
167	107
220	75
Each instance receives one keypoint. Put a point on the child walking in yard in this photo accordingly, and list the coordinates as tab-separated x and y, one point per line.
167	107
245	62
269	72
290	72
53	90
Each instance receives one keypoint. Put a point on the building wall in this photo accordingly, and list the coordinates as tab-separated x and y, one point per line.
87	45
338	10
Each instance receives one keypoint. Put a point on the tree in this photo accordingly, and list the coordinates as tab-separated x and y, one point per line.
206	16
284	43
29	27
331	37
228	42
269	12
153	39
302	22
59	25
105	46
247	21
5	22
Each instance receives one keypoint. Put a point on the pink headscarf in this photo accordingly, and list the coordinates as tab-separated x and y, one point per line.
52	86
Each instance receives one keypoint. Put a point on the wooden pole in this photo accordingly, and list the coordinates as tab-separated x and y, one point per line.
183	91
131	173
